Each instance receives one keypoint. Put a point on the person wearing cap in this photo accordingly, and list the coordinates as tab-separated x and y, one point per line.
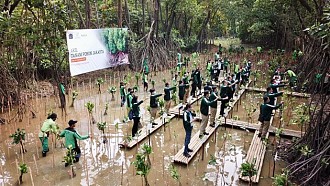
167	96
188	119
122	94
272	95
204	108
136	114
153	105
47	126
265	116
71	136
129	98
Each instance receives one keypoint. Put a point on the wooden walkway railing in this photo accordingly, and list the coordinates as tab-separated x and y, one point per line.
297	94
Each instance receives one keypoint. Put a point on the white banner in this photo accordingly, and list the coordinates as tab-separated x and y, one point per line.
95	49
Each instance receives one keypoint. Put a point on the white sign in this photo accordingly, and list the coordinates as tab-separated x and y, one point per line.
95	49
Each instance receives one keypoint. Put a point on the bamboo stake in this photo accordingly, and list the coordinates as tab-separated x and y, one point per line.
35	163
16	161
87	175
31	176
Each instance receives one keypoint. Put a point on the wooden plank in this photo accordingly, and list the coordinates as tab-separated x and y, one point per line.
297	94
143	133
196	142
253	126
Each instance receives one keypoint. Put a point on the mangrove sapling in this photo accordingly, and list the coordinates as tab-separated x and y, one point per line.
99	82
142	163
106	108
301	116
174	173
69	159
101	126
74	96
153	83
112	90
282	179
213	160
18	138
90	106
23	170
248	169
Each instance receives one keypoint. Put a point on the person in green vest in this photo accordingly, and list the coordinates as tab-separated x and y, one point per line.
292	78
216	56
226	64
167	97
71	136
272	95
145	66
179	57
153	105
188	119
265	116
136	114
129	98
204	108
209	66
145	81
122	94
220	49
47	125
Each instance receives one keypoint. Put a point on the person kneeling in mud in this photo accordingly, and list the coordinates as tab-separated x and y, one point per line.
71	136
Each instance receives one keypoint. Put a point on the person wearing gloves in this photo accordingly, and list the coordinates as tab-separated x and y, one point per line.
71	136
47	125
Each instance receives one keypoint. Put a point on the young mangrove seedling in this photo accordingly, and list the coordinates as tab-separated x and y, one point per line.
99	82
248	169
282	179
174	173
23	170
112	91
69	159
74	96
101	126
142	163
18	138
90	106
106	109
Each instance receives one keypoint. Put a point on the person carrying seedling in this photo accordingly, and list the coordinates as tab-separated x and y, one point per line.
47	125
122	94
275	85
188	119
167	97
145	81
153	105
204	108
71	136
265	116
292	78
272	95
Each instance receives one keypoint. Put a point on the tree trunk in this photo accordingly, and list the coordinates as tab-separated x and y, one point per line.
88	13
120	18
143	17
201	32
156	16
127	15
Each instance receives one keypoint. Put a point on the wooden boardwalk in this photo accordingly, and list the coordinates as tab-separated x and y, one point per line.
297	94
197	143
143	133
253	126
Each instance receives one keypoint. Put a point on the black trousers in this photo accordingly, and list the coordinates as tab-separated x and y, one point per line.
223	106
136	121
193	90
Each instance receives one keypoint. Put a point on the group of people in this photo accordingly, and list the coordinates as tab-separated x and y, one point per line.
70	134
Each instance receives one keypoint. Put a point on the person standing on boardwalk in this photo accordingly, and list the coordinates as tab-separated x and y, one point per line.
153	105
213	105
145	81
265	116
185	80
193	84
167	97
204	108
136	114
47	125
129	98
274	85
272	95
122	94
188	119
224	97
199	80
71	136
